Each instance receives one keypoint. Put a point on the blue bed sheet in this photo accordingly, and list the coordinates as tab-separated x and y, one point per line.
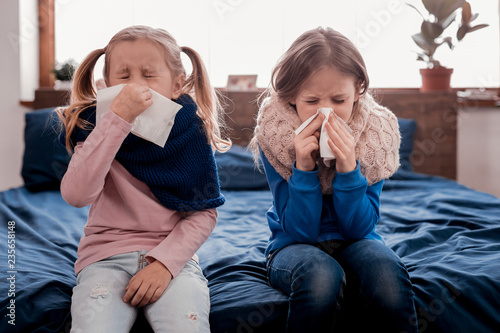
447	235
234	264
47	231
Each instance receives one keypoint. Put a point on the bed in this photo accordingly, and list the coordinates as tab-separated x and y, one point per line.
448	235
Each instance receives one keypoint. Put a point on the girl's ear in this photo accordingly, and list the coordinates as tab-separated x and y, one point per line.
177	85
101	84
359	87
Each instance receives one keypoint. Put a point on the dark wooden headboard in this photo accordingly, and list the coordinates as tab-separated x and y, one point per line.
435	144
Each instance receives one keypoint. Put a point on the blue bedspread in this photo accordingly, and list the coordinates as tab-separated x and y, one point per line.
47	232
449	238
447	235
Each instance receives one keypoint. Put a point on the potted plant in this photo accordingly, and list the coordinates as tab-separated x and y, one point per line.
441	14
63	74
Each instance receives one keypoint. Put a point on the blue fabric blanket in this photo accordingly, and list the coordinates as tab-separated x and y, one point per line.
46	232
447	235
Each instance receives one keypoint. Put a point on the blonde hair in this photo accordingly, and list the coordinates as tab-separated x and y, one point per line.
311	51
197	84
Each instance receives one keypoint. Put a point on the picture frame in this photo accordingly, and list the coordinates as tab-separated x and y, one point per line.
242	82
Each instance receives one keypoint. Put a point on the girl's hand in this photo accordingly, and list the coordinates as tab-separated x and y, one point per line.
147	285
132	100
342	145
307	145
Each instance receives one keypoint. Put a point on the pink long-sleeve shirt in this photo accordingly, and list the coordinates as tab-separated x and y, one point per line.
124	215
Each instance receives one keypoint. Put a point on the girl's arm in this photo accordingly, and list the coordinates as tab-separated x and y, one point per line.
297	202
89	165
356	204
184	240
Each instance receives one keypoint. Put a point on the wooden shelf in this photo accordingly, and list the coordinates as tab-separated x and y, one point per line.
48	97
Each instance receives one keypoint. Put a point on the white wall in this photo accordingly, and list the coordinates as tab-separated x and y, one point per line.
11	113
28	43
478	153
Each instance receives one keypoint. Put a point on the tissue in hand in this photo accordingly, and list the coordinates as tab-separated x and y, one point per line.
324	149
154	124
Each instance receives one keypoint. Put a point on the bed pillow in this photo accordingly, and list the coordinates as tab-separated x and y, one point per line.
407	128
45	160
237	170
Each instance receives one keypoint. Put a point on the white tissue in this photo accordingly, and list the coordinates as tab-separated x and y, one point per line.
154	124
324	149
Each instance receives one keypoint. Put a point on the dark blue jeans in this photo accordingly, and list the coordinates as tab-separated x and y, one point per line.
358	287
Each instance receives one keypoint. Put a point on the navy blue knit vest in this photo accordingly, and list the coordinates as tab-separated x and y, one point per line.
182	174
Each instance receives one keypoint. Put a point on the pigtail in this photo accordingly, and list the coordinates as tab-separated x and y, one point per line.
83	95
209	107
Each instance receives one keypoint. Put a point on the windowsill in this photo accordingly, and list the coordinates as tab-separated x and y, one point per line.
49	97
469	103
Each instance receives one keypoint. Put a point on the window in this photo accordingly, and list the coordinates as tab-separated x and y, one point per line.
248	37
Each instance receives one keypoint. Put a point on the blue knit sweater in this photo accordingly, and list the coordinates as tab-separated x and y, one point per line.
182	174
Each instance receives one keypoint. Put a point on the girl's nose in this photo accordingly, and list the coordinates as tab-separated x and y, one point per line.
326	105
139	80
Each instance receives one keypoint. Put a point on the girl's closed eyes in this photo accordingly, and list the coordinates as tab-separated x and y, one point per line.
316	101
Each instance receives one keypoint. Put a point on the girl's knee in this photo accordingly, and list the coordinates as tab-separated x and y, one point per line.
320	279
100	309
390	286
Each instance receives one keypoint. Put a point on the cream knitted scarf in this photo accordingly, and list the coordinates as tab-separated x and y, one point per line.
375	130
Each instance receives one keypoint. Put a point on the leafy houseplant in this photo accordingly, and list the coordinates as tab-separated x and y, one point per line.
441	14
63	74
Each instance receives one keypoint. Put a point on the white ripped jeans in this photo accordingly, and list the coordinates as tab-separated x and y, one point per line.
97	304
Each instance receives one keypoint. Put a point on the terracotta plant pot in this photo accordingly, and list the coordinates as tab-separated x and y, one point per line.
436	79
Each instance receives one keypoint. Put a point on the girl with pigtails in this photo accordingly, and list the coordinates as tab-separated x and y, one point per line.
151	207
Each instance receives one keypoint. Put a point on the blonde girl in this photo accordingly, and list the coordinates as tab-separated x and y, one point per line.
324	252
151	207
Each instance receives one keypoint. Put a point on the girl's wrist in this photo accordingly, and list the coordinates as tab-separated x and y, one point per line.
306	168
345	167
124	115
